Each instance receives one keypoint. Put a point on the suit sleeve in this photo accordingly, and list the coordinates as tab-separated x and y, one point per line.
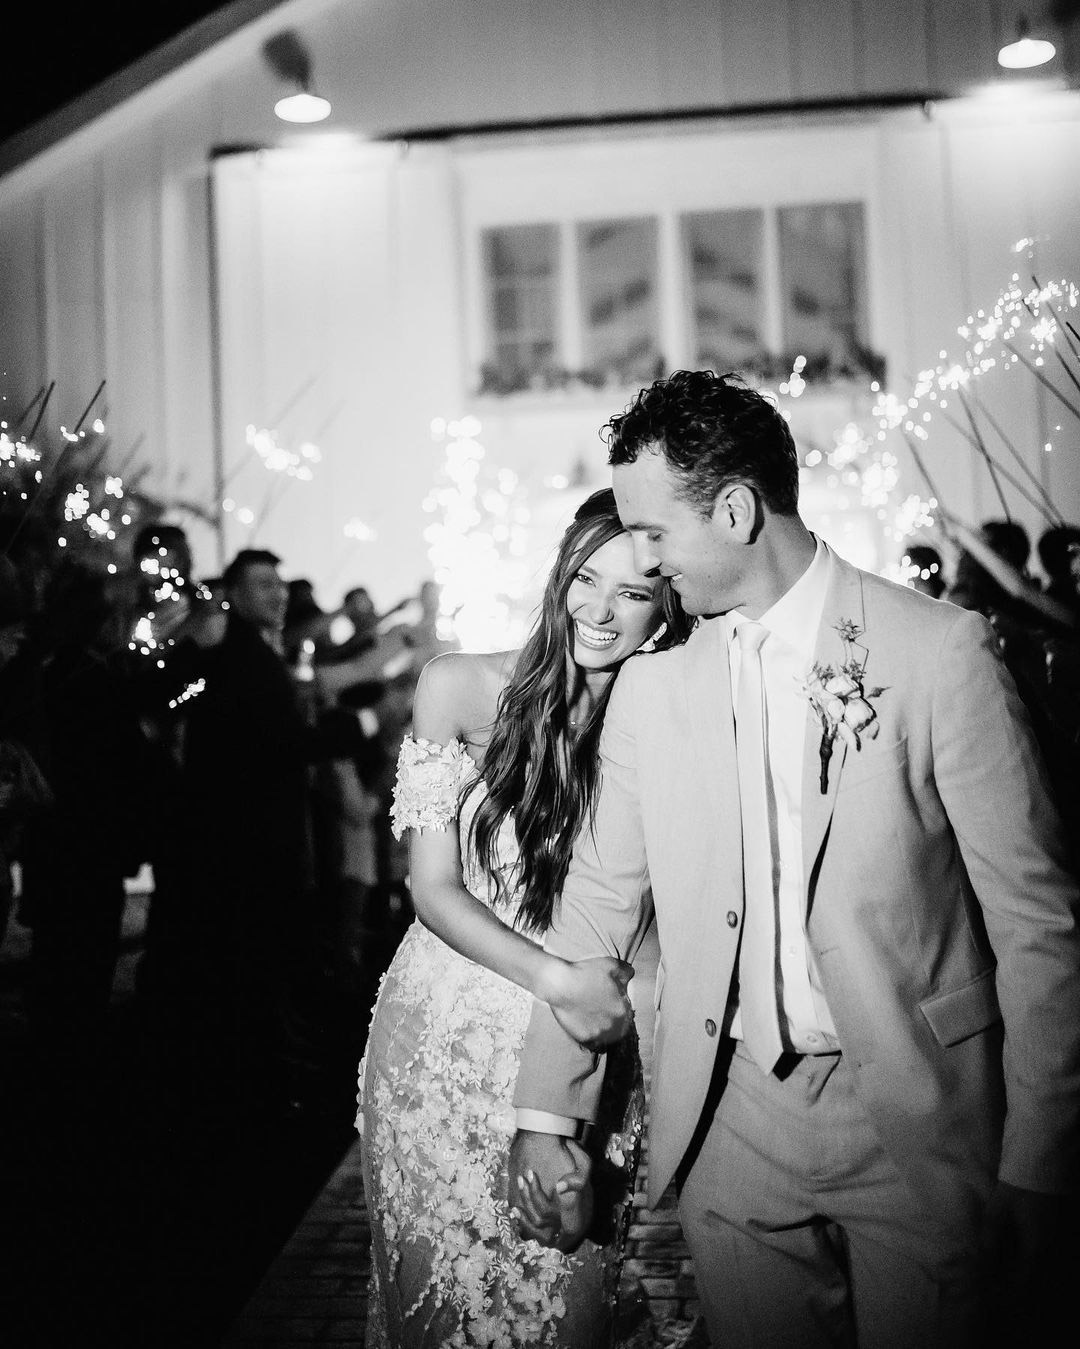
605	909
995	791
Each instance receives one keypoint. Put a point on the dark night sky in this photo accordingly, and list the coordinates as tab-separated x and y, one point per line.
55	53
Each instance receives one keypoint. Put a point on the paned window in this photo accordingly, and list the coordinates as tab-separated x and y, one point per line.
749	289
617	262
723	251
823	280
520	264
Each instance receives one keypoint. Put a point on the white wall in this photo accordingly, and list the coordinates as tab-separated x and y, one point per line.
339	307
105	240
364	271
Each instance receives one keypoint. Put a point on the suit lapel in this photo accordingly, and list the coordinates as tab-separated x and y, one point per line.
711	716
844	600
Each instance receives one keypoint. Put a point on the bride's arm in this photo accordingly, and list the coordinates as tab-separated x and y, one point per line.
444	709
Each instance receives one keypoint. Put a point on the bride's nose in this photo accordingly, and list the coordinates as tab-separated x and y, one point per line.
600	609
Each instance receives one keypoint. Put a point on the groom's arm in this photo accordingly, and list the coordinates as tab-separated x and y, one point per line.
605	909
994	788
995	791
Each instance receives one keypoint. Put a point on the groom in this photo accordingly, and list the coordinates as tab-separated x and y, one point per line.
866	1074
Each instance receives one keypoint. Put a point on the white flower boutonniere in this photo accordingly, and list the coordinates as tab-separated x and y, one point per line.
840	700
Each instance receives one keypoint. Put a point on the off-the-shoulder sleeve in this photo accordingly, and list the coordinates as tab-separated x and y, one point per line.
428	786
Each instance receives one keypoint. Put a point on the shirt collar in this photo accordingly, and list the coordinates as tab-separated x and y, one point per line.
796	616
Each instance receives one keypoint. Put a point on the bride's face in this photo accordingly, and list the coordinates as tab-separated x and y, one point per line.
613	608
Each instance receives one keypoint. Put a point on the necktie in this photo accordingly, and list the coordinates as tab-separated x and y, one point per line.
757	953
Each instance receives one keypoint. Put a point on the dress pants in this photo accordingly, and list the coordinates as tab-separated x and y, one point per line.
804	1234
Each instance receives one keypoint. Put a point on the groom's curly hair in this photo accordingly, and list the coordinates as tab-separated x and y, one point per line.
713	430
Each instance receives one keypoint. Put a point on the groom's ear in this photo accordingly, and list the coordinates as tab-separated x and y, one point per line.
737	512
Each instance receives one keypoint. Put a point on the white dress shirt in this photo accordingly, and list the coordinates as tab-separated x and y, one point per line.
787	653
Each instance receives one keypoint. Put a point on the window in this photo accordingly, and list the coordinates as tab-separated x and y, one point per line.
823	281
617	261
589	303
723	251
520	266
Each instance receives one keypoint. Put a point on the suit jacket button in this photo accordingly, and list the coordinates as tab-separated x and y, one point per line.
732	918
710	1027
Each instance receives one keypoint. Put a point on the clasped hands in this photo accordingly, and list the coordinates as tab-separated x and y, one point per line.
550	1192
588	998
550	1188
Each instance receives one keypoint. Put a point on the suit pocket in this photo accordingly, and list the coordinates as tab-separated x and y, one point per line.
863	765
964	1011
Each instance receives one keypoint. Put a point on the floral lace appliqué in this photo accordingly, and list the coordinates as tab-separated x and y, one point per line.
436	1113
428	786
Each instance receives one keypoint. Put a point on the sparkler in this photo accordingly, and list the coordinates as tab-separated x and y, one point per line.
476	548
1019	330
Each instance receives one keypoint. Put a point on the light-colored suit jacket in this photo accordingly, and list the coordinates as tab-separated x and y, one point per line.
939	905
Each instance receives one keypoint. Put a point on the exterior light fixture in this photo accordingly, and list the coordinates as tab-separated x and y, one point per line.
302	107
1025	52
288	58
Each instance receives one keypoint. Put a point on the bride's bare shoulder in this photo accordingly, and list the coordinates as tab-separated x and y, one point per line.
465	685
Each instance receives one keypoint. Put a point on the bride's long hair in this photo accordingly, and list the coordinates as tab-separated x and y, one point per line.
534	767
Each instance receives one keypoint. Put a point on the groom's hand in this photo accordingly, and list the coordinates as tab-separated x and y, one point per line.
1029	1248
549	1189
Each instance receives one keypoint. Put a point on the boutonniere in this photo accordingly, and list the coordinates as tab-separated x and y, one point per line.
840	699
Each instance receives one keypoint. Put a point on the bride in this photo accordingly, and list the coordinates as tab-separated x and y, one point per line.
494	783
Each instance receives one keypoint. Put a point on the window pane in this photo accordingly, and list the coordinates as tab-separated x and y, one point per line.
618	285
823	270
520	276
723	252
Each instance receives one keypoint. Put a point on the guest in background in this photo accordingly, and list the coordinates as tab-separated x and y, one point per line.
1059	549
371	675
246	772
14	610
426	636
24	793
975	586
245	792
84	735
307	624
359	608
169	621
992	578
1039	637
370	633
352	683
925	570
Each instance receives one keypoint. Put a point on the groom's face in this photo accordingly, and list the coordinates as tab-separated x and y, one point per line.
670	536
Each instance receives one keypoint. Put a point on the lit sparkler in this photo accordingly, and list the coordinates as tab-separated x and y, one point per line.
478	544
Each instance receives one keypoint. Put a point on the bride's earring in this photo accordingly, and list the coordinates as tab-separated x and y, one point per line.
650	644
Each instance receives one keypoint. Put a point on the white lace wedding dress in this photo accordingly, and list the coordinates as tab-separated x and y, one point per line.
436	1117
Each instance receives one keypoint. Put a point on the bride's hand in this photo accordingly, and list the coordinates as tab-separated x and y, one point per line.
589	999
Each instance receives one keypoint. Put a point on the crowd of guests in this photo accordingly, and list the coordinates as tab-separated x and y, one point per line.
234	743
1037	619
240	741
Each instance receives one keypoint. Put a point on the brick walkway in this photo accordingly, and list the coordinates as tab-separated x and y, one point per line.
314	1292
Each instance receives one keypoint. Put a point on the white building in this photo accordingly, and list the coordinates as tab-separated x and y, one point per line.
517	211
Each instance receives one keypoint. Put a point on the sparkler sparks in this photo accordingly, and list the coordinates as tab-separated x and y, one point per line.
1022	327
189	691
477	546
1028	327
